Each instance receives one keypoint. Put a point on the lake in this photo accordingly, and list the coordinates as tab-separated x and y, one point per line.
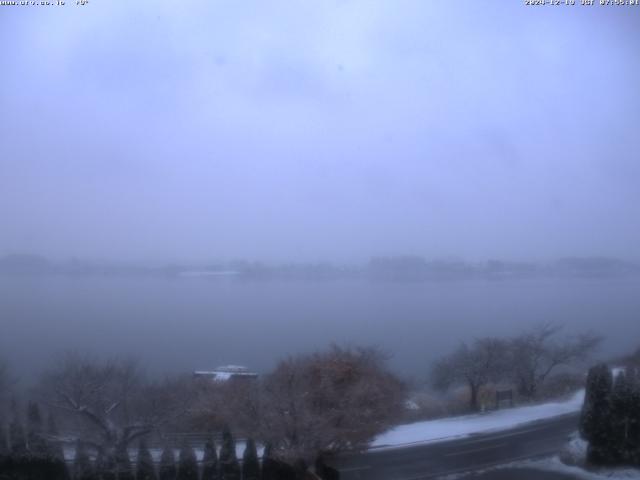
182	324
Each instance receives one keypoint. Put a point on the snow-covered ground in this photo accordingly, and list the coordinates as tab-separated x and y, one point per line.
456	427
553	464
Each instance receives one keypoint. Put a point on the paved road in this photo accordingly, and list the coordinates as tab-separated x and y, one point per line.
471	453
519	474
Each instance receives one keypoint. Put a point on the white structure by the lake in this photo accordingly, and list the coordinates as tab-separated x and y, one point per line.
226	372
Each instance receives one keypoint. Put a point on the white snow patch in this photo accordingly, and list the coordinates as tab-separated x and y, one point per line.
411	405
456	427
69	452
575	451
615	371
553	464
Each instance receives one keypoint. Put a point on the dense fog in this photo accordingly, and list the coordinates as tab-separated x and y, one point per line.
145	143
182	324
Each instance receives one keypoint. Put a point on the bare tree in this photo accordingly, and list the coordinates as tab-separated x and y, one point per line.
328	402
100	393
113	404
167	403
632	360
233	403
474	365
536	353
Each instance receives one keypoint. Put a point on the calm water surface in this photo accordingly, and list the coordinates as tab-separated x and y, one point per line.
185	324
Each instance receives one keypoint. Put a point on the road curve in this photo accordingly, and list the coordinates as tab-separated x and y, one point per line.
432	460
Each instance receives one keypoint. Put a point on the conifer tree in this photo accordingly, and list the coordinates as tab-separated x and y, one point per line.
596	414
6	462
17	440
167	469
250	463
300	469
106	465
55	447
269	464
37	444
634	416
324	471
82	467
99	465
123	464
60	471
620	446
187	463
4	445
229	467
145	469
210	461
56	451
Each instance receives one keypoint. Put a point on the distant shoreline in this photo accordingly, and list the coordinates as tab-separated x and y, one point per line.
393	269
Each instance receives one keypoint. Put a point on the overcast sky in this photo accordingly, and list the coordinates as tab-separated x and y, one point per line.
319	130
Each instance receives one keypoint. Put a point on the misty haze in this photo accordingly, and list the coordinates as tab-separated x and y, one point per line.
440	199
177	321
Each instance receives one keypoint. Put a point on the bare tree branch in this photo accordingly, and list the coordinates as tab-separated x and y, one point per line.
475	366
538	352
328	401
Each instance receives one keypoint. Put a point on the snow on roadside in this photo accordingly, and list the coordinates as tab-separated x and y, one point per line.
554	465
456	427
574	451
